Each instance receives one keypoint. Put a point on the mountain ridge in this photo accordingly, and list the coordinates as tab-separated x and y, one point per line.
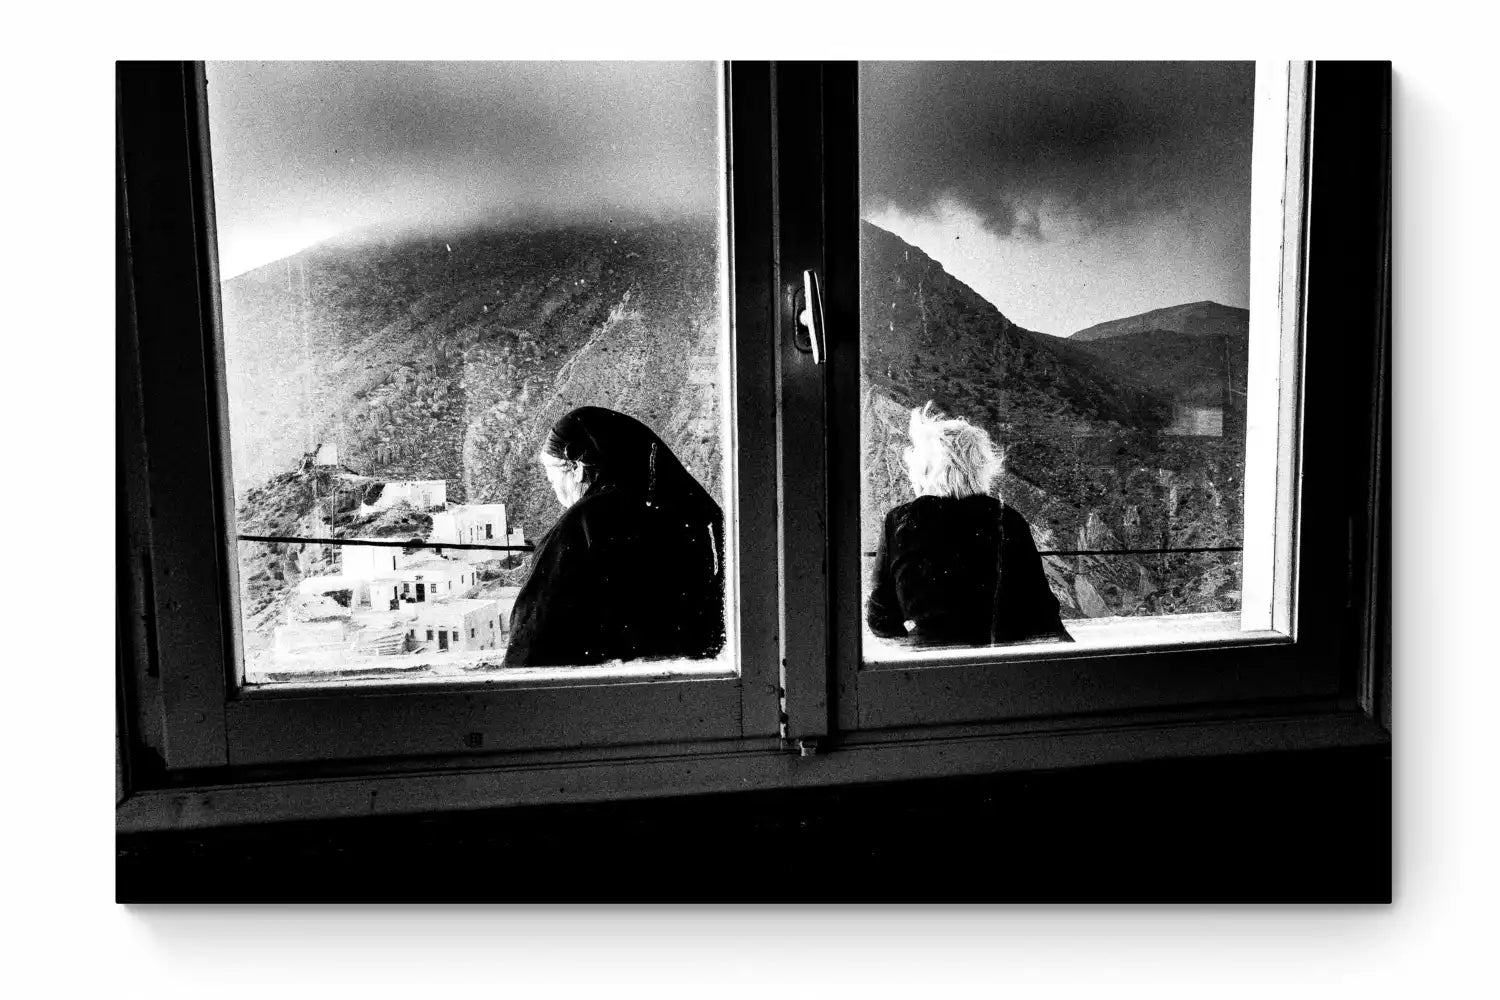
1201	318
448	355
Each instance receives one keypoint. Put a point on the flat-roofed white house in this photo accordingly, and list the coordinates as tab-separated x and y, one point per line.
366	562
457	625
380	574
422	494
424	578
474	524
470	524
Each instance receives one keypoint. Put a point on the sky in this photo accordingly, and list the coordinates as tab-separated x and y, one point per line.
1067	194
303	151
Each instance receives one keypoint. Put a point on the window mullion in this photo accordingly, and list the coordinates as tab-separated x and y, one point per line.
802	394
752	446
841	241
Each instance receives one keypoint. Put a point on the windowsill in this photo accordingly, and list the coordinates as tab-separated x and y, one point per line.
469	783
471	669
1090	636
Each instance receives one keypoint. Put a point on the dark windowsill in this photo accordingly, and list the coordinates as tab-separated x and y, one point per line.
1269	827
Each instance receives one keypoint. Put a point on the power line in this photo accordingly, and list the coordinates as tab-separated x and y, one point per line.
393	544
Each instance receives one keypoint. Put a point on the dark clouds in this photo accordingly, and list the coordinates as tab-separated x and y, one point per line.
1111	144
331	146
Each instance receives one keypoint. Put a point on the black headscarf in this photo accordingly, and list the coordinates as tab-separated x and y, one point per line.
635	567
621	452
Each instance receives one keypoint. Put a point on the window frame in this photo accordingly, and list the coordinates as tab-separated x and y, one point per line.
194	754
207	718
1303	661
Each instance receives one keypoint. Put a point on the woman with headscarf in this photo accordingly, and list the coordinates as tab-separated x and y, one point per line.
634	567
956	566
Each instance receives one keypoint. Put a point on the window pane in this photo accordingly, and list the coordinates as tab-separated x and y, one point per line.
424	267
1058	254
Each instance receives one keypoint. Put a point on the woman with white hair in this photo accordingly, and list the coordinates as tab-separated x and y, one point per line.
957	566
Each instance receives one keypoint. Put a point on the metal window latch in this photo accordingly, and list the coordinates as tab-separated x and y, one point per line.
811	335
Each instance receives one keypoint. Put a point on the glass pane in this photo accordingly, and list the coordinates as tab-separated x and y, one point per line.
425	267
1058	256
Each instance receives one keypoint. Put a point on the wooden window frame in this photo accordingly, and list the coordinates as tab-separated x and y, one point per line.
1305	658
210	720
1290	659
195	752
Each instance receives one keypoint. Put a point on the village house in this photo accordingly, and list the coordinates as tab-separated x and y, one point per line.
421	494
474	524
422	578
366	562
460	625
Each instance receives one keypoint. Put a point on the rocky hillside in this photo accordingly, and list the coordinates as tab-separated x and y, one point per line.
1089	462
1195	319
447	356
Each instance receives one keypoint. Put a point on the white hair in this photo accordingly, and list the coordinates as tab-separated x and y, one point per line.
950	457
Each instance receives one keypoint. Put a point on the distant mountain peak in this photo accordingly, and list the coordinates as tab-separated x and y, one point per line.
1204	318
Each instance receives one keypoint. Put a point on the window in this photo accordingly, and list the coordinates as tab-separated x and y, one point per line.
1143	451
787	418
1081	299
393	365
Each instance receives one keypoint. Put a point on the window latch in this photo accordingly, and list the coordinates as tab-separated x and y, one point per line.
811	333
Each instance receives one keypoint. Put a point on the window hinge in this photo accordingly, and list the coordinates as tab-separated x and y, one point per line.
806	746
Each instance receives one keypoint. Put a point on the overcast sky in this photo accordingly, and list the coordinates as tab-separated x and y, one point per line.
1066	193
302	151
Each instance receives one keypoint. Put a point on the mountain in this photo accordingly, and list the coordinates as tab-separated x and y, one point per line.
1197	319
1094	455
448	355
1197	354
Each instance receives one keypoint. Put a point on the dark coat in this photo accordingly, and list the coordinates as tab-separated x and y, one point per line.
936	567
616	579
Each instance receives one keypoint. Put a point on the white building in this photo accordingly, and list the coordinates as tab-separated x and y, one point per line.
462	624
422	494
366	562
380	574
420	579
470	524
475	524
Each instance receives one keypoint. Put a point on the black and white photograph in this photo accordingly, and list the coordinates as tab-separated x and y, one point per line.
721	500
522	457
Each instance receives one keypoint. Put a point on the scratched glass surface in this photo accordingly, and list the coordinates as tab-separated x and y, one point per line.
423	266
1058	254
